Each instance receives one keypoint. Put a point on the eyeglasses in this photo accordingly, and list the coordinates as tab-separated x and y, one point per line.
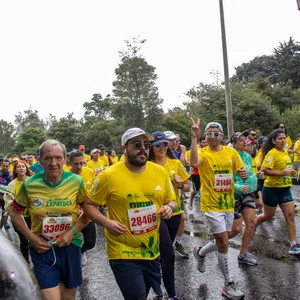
213	134
139	144
162	144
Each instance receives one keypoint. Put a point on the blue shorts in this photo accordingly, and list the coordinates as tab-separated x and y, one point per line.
274	196
59	264
136	277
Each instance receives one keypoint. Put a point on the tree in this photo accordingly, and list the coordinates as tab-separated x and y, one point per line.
177	120
29	141
67	130
287	57
30	119
136	98
98	107
6	137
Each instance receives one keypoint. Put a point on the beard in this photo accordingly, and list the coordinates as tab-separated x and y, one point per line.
137	160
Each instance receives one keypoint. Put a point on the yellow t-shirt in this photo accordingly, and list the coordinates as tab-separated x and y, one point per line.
114	159
175	166
10	194
289	142
87	175
216	172
104	160
277	160
66	168
124	193
97	166
297	147
44	200
258	159
254	166
86	157
188	156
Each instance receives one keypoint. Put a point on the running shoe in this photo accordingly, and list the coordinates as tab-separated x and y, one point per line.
294	249
247	260
200	259
179	249
83	259
231	292
158	297
6	226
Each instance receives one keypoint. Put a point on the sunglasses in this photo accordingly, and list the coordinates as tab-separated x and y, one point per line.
281	127
139	145
162	144
213	134
253	134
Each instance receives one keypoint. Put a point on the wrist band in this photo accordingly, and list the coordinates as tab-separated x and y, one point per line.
74	230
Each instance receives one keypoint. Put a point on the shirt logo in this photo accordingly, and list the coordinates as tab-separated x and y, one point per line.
38	202
158	188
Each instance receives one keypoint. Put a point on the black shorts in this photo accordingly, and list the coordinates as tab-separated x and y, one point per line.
242	202
196	182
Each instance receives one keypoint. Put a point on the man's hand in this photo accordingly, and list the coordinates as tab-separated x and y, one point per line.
165	212
40	244
195	130
178	181
65	239
115	227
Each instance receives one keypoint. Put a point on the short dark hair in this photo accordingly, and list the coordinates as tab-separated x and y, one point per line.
75	153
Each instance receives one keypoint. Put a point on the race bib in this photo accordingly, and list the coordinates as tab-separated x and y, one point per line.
223	182
142	219
53	227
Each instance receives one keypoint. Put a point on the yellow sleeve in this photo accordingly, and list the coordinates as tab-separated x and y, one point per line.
99	191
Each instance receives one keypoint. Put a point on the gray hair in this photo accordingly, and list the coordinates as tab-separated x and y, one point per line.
51	142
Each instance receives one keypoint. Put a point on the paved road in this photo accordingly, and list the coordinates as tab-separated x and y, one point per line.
276	276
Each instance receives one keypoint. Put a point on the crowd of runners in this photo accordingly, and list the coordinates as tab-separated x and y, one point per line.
55	200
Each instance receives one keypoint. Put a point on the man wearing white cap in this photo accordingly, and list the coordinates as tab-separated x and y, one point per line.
137	194
216	164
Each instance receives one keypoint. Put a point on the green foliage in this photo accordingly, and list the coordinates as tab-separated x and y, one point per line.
67	130
6	137
136	99
98	107
177	120
29	141
30	119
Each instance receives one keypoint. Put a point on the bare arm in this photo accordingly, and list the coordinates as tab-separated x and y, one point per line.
195	132
92	211
40	244
166	211
269	172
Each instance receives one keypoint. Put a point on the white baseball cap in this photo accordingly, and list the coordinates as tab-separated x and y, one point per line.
170	135
133	132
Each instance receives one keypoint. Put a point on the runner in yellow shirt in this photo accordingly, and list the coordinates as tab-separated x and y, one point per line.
87	158
278	167
161	154
138	194
216	165
95	163
89	232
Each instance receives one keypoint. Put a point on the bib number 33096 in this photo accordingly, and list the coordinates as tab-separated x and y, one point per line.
53	227
142	219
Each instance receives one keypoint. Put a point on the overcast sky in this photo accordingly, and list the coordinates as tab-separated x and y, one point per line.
55	55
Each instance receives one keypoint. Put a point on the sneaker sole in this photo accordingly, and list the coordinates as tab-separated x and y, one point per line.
231	297
247	263
294	252
182	255
196	257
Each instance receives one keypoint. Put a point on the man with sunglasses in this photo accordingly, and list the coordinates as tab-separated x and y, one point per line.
138	194
216	164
